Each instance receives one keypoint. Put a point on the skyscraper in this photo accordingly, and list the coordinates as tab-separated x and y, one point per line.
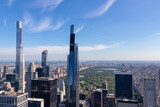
31	74
5	71
123	85
149	97
62	86
13	78
72	81
45	88
13	99
104	85
19	57
44	58
158	88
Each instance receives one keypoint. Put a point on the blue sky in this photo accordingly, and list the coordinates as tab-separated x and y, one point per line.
105	29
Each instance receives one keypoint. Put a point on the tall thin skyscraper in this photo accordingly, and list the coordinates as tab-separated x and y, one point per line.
44	58
20	57
72	82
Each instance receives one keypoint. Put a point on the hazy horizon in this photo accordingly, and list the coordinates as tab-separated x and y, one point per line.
105	29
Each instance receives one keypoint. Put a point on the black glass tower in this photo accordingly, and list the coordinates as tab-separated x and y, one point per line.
45	88
123	85
72	81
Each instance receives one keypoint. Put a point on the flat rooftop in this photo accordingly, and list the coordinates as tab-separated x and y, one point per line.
127	100
123	72
4	93
35	99
44	79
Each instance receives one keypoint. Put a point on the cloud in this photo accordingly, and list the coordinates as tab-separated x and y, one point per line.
5	22
47	5
10	2
101	10
37	50
156	34
44	24
27	19
79	28
59	24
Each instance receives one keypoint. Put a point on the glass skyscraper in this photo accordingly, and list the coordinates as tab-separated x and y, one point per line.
72	82
123	85
44	58
20	57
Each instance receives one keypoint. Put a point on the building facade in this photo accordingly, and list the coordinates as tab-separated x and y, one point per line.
43	71
149	98
45	88
20	57
13	99
123	85
31	74
13	78
44	58
72	81
104	85
5	71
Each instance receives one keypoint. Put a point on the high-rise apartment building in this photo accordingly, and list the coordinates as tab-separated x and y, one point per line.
20	69
45	88
123	85
13	78
44	58
96	98
104	85
5	71
72	81
149	97
158	88
43	71
62	86
13	99
31	74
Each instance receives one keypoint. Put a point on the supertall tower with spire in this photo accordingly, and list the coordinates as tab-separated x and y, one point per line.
72	81
20	57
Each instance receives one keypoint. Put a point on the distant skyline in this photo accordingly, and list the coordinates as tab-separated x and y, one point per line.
105	29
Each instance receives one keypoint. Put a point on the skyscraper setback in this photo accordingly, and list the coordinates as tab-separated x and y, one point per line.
20	57
72	82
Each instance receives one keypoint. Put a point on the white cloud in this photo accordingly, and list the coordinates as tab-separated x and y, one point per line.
5	22
33	52
156	34
79	28
59	24
44	24
101	10
47	5
27	19
10	2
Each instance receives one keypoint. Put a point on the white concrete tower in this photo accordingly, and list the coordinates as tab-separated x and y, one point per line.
149	98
